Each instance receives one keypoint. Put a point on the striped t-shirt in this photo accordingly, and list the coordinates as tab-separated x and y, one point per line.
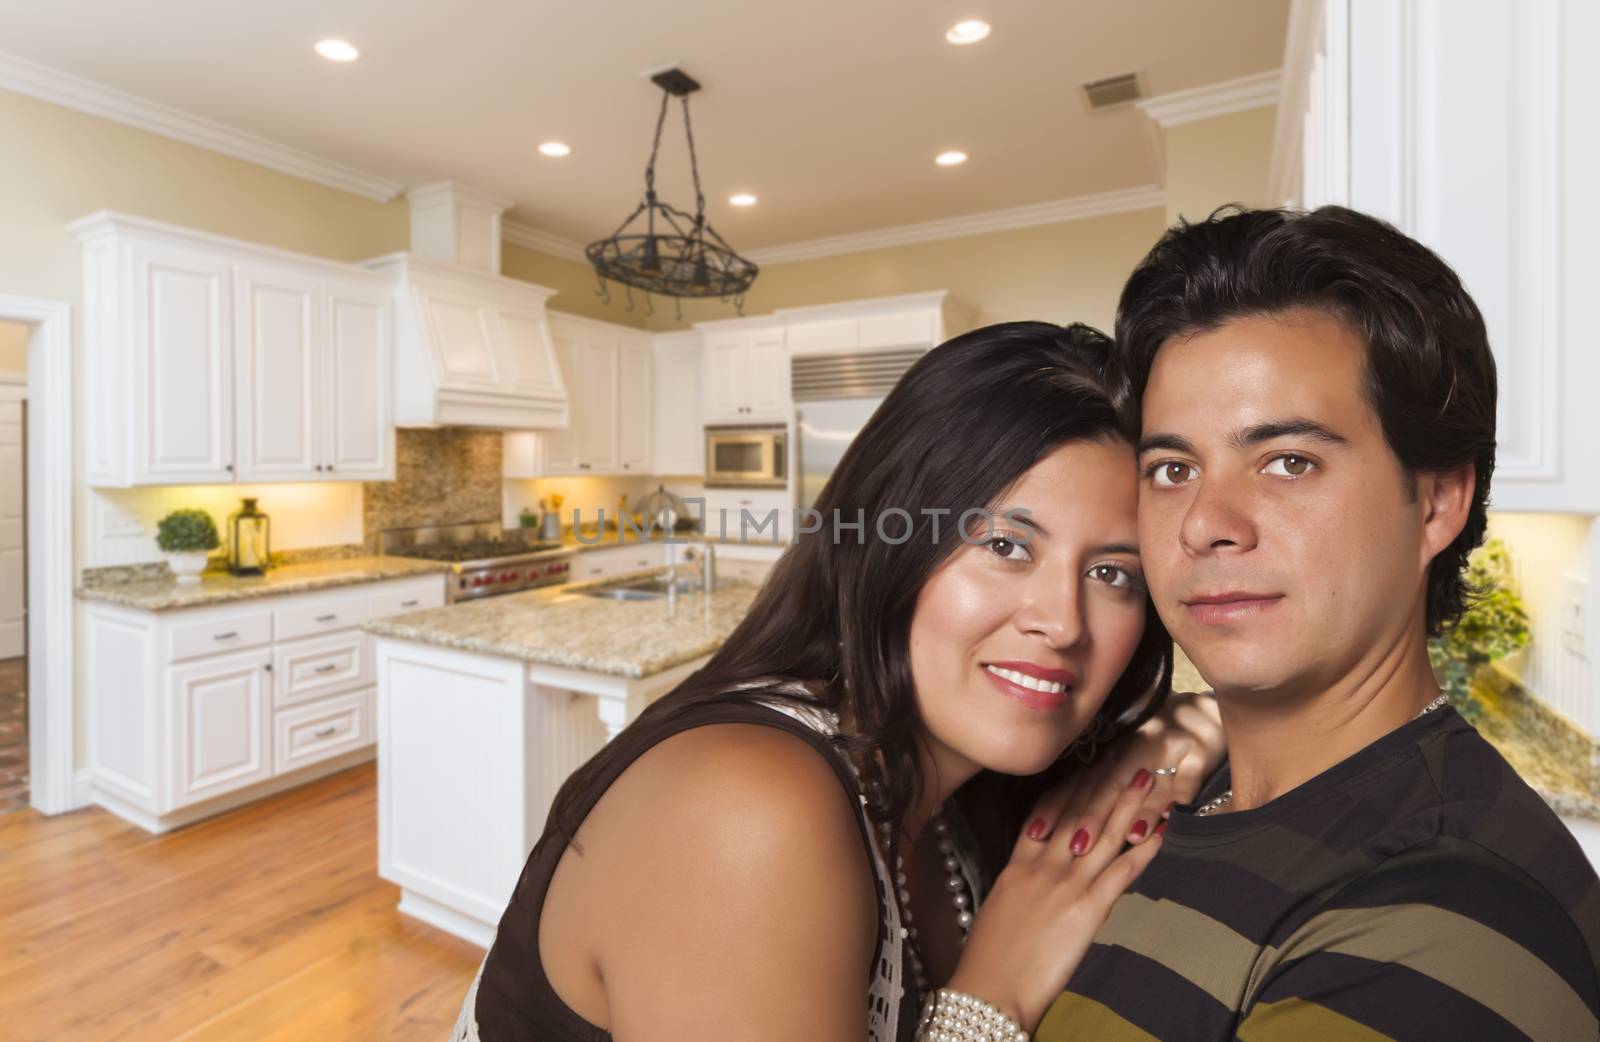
1417	891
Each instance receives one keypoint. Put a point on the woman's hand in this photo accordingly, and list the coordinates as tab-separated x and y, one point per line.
1185	735
1037	921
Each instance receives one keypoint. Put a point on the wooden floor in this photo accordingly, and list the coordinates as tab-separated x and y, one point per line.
269	923
13	734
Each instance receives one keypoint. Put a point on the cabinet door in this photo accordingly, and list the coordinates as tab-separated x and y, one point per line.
724	360
182	340
767	376
277	372
680	444
635	409
560	445
358	439
595	406
221	721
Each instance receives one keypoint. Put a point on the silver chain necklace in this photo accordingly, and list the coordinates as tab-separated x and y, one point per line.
1212	806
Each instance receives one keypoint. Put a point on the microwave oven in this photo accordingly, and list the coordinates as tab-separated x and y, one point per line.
747	456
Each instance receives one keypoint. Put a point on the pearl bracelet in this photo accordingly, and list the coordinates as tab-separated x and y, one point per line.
953	1016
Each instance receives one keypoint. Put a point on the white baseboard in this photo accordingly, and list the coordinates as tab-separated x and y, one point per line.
447	919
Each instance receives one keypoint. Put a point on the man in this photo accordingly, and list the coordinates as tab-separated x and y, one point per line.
1316	404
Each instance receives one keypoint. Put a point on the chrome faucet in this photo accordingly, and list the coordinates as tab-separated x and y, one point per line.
706	555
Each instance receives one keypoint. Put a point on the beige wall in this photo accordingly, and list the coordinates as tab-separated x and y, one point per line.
573	282
1066	272
1215	161
13	347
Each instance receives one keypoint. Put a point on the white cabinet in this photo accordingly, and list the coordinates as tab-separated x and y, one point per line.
211	360
1475	134
177	344
609	372
604	562
221	716
746	375
635	409
357	430
280	387
192	712
680	446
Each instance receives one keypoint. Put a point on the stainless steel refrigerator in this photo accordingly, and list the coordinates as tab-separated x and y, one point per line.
834	396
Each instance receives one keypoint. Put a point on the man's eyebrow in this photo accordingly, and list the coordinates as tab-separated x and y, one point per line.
1248	436
1291	428
1162	440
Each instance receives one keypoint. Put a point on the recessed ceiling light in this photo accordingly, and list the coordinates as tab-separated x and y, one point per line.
336	50
742	199
951	158
555	148
970	31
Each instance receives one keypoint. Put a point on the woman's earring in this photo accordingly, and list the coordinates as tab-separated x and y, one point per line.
1087	744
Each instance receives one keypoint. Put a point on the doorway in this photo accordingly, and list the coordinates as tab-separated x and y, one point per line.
14	793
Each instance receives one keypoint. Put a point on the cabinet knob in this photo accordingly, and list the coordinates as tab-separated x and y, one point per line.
229	467
267	666
319	466
330	466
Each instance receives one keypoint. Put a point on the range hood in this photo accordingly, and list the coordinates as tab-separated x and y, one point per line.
472	347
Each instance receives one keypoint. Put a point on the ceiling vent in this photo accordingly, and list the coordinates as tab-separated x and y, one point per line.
1112	91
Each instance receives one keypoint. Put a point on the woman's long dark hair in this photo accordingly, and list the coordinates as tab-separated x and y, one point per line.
959	429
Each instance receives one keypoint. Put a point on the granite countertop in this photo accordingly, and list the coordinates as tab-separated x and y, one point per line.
558	627
165	594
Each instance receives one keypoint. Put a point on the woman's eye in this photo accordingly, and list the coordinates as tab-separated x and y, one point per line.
1008	549
1113	575
1289	466
1170	474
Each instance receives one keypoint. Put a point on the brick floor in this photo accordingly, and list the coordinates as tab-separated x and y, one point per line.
13	734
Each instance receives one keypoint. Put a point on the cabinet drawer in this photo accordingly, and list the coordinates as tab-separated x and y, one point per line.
403	597
322	615
316	666
599	564
218	633
327	727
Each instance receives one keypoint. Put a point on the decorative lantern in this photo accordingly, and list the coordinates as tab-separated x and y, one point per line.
249	540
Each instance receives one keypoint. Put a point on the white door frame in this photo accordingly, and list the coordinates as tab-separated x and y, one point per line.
51	657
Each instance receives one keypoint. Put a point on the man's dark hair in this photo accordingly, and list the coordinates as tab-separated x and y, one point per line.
1430	376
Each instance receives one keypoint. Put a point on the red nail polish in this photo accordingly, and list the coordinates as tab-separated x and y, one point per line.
1036	828
1161	828
1080	841
1139	829
1140	779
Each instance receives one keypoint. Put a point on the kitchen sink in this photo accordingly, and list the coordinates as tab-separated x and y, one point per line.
649	588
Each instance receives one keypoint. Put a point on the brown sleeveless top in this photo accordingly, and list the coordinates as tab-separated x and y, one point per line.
512	999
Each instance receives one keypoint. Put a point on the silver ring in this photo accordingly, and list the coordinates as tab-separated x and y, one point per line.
1164	771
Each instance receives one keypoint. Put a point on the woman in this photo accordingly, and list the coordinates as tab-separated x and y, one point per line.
777	835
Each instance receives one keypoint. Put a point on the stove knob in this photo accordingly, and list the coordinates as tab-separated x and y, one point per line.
478	580
509	577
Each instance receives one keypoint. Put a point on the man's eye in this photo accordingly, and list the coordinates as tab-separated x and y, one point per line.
1008	549
1289	466
1170	474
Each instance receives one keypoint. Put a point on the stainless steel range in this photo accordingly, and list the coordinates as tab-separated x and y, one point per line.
483	562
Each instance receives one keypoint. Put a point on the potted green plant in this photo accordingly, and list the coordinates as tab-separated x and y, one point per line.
187	537
1494	625
528	519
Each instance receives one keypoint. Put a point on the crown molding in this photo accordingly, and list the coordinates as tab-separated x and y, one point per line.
97	99
1214	99
1054	212
527	236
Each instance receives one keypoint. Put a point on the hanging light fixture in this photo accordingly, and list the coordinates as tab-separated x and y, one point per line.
660	248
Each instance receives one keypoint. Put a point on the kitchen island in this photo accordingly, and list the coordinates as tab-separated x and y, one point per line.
484	709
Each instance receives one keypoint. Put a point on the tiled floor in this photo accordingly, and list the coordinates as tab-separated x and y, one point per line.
13	734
